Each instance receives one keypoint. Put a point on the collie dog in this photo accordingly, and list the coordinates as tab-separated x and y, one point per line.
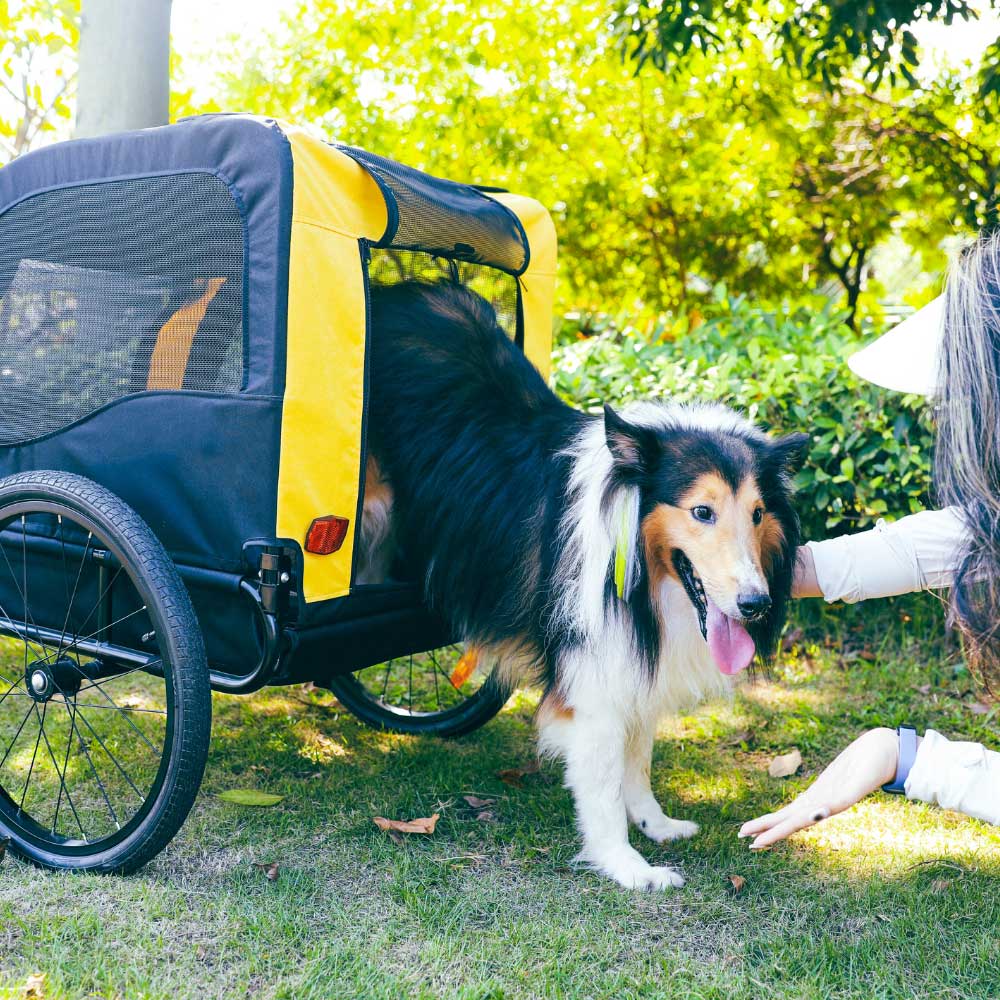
633	563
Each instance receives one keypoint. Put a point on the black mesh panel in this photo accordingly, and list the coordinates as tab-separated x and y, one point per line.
98	280
388	267
444	218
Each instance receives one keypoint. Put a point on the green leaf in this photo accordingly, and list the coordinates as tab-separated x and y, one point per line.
250	797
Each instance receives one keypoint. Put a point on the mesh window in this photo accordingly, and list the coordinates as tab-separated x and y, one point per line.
388	267
445	218
114	288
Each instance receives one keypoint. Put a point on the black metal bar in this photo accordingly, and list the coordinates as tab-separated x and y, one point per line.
270	656
90	646
213	578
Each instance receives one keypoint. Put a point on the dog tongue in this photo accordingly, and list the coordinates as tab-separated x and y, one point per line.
728	641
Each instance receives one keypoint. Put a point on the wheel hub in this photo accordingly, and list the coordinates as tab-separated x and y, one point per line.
44	678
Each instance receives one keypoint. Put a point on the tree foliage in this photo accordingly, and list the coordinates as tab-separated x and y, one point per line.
728	168
816	39
784	367
38	41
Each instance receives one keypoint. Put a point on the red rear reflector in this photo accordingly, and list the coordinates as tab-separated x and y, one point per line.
326	534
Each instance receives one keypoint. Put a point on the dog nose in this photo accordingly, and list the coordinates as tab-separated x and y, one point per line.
753	605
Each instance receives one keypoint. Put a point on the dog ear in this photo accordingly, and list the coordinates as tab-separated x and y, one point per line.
632	448
788	453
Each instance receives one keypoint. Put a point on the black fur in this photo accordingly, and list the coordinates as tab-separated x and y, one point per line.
473	442
469	436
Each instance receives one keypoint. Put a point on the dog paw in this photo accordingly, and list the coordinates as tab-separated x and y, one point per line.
662	828
632	871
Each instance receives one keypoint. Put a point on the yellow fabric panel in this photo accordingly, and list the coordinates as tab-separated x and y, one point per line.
538	283
168	364
333	191
334	204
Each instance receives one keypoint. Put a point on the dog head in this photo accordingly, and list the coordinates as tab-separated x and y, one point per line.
715	515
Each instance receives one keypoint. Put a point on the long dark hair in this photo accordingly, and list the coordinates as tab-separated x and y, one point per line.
967	455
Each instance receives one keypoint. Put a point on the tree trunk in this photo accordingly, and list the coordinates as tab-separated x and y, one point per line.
124	77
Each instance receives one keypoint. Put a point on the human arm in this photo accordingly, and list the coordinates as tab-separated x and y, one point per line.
918	552
955	775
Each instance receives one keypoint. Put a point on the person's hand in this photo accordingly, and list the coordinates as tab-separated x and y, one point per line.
868	763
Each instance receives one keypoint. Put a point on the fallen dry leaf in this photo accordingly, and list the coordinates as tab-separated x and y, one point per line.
737	883
924	689
310	686
422	825
477	803
978	708
941	884
34	987
270	869
785	765
486	816
514	775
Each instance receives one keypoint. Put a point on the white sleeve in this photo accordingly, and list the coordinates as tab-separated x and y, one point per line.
918	552
960	776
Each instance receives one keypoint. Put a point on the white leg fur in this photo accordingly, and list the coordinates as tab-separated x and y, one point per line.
591	741
640	804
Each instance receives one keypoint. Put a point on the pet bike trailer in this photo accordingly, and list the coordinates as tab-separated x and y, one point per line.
183	389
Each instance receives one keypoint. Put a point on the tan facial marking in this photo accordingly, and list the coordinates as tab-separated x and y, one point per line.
772	537
730	555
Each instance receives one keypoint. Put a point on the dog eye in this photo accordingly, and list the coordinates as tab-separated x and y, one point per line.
704	514
758	515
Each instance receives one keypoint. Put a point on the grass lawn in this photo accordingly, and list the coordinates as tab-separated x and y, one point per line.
893	899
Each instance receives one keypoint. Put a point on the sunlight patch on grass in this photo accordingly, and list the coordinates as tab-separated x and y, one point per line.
879	831
317	746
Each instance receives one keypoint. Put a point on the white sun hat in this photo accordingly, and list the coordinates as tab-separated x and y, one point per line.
905	358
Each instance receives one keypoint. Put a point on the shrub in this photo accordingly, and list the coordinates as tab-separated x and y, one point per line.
786	369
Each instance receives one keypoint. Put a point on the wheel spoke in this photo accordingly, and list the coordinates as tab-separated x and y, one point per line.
23	635
444	675
97	777
62	776
20	592
83	638
437	694
76	584
104	628
144	668
34	754
17	734
3	697
52	756
114	705
72	797
411	684
111	756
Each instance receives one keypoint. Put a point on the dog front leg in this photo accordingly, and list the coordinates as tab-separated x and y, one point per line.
592	745
640	803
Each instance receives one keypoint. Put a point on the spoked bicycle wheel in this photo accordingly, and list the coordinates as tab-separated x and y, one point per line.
449	691
105	706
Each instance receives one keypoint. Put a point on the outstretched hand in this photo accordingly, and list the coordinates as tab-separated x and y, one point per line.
867	764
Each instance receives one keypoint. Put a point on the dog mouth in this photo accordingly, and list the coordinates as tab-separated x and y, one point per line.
728	640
